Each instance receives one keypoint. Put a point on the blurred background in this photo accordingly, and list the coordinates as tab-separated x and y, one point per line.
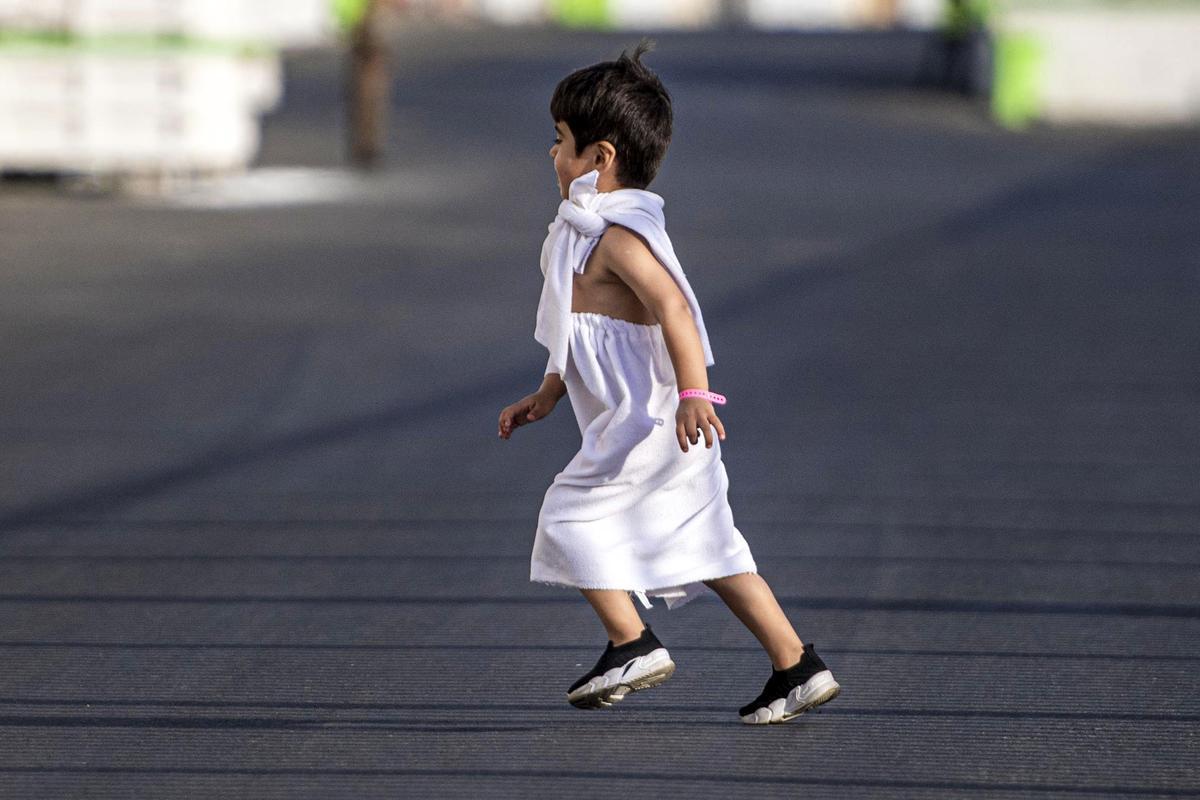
268	274
168	88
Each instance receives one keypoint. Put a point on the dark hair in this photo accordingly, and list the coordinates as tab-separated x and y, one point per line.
621	102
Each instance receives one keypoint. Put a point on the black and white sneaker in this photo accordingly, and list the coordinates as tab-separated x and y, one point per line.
626	668
792	691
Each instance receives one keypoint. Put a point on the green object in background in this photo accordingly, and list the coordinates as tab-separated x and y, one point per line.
1015	95
960	17
582	13
349	12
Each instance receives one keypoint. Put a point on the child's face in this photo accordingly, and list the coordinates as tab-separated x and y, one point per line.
568	165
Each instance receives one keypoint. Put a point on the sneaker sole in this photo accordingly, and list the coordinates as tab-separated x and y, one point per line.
643	672
819	689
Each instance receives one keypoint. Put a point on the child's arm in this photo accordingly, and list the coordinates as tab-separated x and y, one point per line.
532	407
630	258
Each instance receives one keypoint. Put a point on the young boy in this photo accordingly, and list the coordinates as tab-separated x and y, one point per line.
637	510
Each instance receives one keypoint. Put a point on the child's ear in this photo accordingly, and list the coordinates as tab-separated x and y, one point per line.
606	155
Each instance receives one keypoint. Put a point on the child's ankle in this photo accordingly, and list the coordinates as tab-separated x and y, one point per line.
792	659
626	639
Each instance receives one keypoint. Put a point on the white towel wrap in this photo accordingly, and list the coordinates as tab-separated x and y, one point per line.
581	219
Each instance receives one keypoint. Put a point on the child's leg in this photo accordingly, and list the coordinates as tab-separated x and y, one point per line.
616	611
751	600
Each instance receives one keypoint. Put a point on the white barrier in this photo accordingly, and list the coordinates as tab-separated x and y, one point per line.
276	23
107	113
144	86
1115	65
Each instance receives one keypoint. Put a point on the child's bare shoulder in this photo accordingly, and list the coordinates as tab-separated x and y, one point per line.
622	247
627	258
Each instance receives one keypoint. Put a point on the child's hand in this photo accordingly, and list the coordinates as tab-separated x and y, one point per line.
528	409
695	414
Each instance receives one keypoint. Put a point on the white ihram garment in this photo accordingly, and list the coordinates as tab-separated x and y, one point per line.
631	510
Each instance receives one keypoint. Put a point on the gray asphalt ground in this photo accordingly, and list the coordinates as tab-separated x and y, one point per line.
260	539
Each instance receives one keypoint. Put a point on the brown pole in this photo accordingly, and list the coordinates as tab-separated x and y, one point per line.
883	13
370	83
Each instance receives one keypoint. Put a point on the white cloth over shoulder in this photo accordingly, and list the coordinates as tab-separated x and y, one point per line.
582	218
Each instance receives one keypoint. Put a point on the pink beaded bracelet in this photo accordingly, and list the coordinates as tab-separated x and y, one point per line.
719	399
